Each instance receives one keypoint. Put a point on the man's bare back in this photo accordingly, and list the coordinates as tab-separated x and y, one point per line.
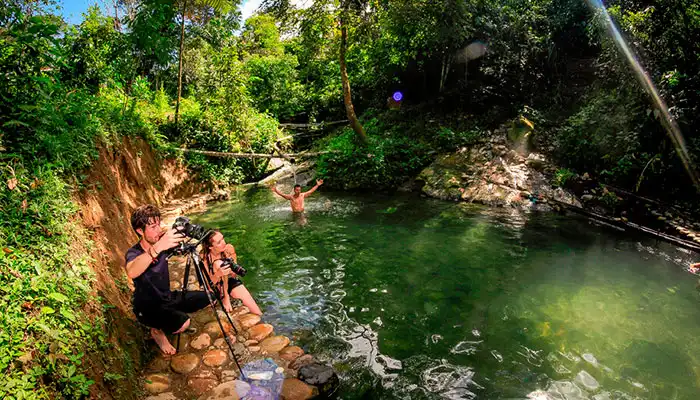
296	199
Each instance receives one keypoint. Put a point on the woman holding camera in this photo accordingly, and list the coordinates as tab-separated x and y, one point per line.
215	250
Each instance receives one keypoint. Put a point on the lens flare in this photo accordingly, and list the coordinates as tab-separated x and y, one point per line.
397	96
670	125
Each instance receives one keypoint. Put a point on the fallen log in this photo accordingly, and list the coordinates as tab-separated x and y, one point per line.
249	155
686	244
319	125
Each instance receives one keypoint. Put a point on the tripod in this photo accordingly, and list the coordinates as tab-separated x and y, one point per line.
193	261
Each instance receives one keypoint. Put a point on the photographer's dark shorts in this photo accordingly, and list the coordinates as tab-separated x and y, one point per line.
170	316
233	283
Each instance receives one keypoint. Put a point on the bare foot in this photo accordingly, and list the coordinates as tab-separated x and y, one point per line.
227	304
162	341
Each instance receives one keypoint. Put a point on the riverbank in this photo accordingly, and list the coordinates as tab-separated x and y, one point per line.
502	172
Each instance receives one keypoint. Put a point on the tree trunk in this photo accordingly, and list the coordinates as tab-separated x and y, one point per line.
445	70
347	98
179	68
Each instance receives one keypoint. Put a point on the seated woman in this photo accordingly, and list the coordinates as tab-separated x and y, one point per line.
214	249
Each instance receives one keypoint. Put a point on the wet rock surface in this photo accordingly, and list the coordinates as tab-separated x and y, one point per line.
321	376
494	174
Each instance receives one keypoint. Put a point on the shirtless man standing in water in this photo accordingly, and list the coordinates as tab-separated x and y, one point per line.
297	198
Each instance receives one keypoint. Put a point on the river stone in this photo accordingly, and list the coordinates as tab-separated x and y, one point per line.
229	375
197	386
321	376
260	332
273	344
162	396
251	342
214	358
239	349
201	341
157	383
213	329
291	353
184	363
254	349
587	381
221	342
238	311
248	320
294	389
231	390
301	361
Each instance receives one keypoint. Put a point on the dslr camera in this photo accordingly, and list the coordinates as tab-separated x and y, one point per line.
235	268
183	226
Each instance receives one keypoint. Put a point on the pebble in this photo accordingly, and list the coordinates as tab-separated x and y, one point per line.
184	363
273	344
251	342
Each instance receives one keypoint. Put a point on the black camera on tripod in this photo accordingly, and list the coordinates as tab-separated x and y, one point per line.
235	268
184	226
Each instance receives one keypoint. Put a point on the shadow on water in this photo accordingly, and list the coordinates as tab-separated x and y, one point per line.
412	298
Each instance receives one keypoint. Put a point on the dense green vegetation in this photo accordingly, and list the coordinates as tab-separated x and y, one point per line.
65	89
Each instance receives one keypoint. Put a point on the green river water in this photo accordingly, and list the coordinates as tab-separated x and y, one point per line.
414	298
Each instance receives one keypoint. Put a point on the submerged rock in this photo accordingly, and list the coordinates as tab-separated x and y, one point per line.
321	376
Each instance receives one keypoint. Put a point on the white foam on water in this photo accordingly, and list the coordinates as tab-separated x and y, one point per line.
466	347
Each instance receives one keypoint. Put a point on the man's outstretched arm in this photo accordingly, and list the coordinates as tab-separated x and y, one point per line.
277	192
319	182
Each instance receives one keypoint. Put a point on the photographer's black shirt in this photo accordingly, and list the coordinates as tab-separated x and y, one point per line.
153	285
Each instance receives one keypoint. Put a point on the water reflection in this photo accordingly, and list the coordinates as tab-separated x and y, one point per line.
433	300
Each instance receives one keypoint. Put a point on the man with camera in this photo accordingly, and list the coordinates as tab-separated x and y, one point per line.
154	304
